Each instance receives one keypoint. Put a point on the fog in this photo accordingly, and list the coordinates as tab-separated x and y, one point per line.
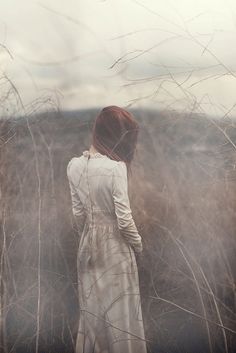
168	55
172	64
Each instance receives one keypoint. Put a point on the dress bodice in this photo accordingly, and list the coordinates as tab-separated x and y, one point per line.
99	189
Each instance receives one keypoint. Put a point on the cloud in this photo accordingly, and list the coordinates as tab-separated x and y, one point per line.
121	51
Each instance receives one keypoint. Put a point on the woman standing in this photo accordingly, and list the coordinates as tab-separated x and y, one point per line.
108	284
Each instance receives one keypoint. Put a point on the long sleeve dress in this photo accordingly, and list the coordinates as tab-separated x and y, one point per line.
108	283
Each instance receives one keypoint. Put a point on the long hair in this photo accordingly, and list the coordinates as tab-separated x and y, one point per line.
115	134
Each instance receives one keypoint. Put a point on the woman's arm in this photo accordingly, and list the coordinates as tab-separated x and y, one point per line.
77	206
123	211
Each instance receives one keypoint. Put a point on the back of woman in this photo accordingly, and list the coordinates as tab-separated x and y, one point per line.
108	283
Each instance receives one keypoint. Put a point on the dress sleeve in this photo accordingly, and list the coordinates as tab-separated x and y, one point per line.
77	206
123	211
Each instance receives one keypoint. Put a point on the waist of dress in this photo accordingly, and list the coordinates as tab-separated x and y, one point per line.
99	217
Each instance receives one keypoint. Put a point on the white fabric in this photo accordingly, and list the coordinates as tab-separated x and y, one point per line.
108	284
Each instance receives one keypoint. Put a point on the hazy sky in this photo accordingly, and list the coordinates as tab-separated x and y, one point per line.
91	53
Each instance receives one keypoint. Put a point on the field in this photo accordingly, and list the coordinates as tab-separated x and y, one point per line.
183	197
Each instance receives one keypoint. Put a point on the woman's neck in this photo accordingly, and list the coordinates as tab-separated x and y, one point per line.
92	149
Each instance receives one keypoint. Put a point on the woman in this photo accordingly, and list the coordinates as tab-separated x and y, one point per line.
108	283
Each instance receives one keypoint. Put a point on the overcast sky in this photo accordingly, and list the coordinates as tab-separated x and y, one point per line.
91	53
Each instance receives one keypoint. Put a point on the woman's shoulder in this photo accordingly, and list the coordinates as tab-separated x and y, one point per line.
116	167
119	168
74	162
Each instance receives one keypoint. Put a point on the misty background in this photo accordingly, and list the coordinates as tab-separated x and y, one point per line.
172	64
91	53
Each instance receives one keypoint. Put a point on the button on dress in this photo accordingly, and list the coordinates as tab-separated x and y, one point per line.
108	283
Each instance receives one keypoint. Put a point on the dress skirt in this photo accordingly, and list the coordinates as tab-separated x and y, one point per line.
108	286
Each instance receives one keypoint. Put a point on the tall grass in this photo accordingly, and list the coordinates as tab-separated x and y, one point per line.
182	194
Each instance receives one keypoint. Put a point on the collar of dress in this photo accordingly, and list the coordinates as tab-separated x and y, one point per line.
86	153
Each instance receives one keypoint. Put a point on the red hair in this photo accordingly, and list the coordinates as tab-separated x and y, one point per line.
115	134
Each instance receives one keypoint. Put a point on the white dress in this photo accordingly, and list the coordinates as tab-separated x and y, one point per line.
108	283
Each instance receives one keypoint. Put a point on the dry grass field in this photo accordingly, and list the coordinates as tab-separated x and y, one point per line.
183	197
